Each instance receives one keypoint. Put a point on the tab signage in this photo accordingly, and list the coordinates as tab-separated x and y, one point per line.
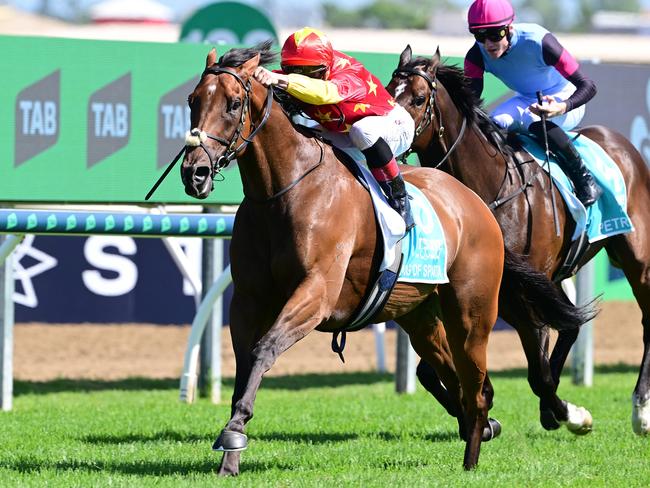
109	120
37	117
173	121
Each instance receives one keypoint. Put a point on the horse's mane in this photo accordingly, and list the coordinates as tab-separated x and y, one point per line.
238	56
464	98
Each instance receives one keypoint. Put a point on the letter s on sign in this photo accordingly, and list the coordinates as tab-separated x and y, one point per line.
127	272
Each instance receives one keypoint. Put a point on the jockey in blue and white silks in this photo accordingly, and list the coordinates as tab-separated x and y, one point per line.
528	58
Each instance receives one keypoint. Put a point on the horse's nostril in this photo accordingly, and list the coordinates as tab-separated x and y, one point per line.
202	172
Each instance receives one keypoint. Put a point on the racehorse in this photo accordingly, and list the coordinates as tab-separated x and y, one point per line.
304	247
454	135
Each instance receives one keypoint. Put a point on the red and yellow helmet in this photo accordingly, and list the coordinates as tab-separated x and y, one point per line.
307	47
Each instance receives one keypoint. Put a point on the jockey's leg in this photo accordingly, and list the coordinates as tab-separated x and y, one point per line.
587	190
384	168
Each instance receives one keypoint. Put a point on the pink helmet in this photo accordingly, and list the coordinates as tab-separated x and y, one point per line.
490	13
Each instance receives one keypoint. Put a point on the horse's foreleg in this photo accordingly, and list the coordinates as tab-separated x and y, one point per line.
303	312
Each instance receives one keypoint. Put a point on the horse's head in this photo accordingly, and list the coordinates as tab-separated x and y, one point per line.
414	87
220	116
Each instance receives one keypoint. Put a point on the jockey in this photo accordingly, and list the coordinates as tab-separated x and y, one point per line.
350	104
528	58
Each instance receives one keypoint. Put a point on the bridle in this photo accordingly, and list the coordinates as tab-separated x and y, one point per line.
197	138
430	112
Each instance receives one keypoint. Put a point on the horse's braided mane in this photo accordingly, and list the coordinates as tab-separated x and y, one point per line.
458	87
238	56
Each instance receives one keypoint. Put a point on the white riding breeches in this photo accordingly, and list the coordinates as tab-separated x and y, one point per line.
396	128
514	114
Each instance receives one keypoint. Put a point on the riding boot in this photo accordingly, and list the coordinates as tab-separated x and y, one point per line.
384	168
398	199
587	190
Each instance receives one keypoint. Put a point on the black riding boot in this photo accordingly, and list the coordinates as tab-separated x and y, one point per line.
587	190
398	199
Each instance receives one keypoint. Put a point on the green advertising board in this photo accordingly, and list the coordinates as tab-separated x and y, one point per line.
98	121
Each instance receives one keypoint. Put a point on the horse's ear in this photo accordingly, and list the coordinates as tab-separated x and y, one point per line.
405	57
249	66
435	61
212	58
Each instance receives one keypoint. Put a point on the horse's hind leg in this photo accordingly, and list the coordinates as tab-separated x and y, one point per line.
632	253
436	371
431	382
469	313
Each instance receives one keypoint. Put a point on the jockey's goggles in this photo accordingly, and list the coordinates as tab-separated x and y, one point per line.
311	71
494	34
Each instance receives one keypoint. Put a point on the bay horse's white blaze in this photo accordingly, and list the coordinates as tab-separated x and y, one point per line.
400	89
640	415
579	421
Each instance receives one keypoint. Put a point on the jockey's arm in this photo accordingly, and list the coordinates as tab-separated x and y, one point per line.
308	90
474	69
555	55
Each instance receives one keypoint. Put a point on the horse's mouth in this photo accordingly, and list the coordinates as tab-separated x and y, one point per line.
199	190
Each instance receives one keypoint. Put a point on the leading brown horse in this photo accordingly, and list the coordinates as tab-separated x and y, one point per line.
304	247
451	134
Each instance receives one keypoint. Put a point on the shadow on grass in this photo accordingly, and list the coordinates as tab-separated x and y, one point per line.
291	382
81	385
163	436
175	436
598	370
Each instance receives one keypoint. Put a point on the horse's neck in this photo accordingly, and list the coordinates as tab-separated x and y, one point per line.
276	157
475	161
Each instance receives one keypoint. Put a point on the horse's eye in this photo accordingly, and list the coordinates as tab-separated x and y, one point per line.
234	105
418	100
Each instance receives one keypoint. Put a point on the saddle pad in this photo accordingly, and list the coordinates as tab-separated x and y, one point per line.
424	247
391	225
608	216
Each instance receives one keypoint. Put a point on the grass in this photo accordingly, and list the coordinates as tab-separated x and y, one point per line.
312	430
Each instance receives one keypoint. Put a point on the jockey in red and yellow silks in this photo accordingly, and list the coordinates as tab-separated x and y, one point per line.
350	103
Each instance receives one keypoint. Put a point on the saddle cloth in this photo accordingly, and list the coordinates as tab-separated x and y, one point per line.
608	216
424	248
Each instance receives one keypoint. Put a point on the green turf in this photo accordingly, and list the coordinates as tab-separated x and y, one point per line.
312	430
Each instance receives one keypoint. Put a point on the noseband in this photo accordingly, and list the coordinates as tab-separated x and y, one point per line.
197	137
430	112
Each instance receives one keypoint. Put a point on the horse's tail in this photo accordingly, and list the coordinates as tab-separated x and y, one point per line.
529	296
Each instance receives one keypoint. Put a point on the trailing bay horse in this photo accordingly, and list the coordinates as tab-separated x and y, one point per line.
304	251
452	135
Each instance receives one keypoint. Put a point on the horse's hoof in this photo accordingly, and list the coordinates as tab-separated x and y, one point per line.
579	421
548	420
491	430
230	441
640	415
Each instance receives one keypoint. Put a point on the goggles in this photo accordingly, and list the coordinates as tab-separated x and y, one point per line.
494	34
311	71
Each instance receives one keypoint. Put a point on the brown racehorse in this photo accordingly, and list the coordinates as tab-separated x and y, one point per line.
450	135
304	246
